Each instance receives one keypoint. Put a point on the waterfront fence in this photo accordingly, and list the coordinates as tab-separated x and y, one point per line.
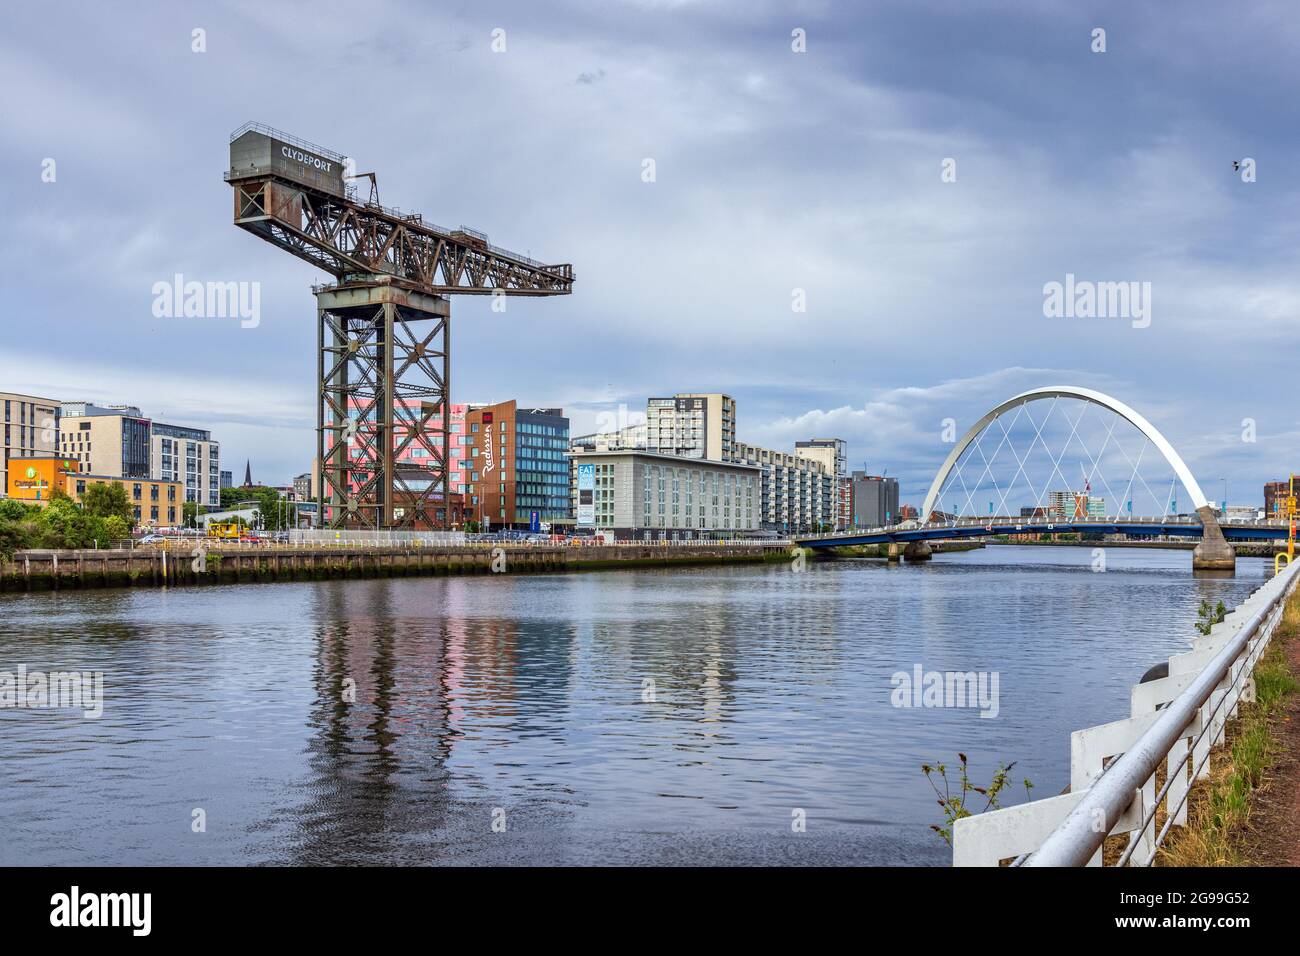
379	539
403	540
1174	722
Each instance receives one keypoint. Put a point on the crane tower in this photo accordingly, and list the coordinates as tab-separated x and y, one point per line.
384	346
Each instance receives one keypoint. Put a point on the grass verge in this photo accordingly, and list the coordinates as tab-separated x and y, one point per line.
1219	808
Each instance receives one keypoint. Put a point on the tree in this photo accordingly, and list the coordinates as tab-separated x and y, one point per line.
11	510
61	524
233	496
276	512
15	535
115	529
103	500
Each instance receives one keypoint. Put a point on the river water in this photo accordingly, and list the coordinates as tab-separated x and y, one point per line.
699	716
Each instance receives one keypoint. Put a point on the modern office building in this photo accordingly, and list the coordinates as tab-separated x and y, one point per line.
875	500
641	494
121	442
833	454
692	425
514	466
302	487
106	439
156	503
227	479
798	494
31	427
190	456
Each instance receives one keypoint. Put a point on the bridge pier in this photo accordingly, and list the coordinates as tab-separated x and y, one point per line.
909	551
917	551
1213	553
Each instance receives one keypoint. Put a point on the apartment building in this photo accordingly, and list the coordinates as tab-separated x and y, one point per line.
798	493
833	455
30	427
692	425
190	456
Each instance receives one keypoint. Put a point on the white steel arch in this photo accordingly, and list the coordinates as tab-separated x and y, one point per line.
1085	394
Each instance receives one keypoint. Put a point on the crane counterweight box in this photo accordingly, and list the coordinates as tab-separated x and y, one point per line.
258	150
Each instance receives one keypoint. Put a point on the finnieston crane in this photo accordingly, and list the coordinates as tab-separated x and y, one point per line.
384	348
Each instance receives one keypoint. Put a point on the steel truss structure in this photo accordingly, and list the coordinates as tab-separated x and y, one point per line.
345	237
384	347
385	379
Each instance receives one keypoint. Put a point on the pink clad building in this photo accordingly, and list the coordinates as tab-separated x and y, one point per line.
416	453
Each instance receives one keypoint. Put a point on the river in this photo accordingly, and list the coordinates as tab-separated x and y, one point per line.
716	715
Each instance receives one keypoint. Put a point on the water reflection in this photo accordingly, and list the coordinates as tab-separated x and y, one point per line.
528	695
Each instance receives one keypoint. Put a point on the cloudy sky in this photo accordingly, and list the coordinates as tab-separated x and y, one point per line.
774	171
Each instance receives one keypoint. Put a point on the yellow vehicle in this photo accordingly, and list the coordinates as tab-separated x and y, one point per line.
225	529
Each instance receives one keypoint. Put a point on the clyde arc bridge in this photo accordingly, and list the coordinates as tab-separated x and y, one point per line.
1015	455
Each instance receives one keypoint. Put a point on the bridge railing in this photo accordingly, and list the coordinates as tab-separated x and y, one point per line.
1002	524
1173	724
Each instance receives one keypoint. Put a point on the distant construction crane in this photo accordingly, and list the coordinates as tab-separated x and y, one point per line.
384	349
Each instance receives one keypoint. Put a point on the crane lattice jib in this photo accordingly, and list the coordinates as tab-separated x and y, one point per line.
290	193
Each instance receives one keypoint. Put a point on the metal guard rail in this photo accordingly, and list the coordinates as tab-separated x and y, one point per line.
1076	840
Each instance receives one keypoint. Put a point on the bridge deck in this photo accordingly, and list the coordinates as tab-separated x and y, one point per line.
1133	527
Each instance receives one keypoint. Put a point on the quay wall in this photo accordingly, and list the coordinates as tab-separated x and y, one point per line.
147	567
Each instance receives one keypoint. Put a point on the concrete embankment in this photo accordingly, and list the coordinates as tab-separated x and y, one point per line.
1244	549
145	567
